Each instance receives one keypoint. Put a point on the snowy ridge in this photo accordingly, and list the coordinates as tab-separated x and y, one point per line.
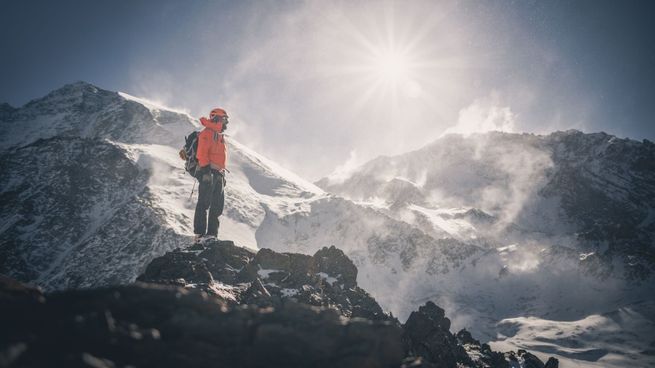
274	169
154	106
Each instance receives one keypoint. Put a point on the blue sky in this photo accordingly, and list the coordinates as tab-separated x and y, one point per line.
316	84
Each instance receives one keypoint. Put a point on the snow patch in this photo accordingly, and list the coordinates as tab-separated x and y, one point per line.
265	273
327	278
621	338
584	256
288	292
443	220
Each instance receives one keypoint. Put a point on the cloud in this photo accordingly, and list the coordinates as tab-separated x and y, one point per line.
484	115
342	172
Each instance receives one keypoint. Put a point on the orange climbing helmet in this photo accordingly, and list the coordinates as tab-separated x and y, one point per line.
217	112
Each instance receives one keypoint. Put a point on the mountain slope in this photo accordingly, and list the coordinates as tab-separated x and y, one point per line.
592	192
563	222
86	168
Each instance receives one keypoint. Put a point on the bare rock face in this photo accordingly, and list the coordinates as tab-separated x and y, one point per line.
164	326
480	354
267	278
199	265
217	304
427	334
333	261
552	363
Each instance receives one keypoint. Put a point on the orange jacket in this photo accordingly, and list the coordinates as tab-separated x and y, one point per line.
212	149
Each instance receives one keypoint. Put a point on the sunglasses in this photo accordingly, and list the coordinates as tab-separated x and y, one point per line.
218	118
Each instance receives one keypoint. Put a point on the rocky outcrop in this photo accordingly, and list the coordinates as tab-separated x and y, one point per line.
148	325
217	304
239	276
270	279
427	334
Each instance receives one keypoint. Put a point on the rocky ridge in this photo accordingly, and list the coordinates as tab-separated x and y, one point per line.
215	303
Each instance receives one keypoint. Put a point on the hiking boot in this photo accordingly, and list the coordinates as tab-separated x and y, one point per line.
197	238
206	238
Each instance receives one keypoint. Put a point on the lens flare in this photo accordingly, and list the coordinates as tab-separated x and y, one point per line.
392	66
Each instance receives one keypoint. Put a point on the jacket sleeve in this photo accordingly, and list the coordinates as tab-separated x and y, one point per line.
203	149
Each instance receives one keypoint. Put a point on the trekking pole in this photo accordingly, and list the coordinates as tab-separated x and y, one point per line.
192	189
195	170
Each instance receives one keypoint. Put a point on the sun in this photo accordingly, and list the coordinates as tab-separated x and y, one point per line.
394	73
391	66
395	60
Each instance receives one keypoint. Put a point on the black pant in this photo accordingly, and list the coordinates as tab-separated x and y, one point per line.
211	196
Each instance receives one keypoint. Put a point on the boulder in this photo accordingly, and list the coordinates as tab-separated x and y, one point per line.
426	334
164	326
333	262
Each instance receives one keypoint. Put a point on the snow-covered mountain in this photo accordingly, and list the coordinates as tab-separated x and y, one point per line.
593	192
492	226
92	188
563	226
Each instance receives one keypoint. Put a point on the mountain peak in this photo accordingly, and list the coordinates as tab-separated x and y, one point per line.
77	86
85	110
70	94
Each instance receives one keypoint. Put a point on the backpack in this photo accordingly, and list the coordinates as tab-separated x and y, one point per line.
190	149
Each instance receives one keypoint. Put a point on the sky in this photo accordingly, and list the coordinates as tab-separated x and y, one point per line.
322	86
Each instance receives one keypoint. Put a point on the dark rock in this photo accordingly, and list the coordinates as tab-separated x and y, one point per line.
426	334
283	269
225	260
216	304
213	267
552	363
174	266
11	289
333	262
267	278
465	337
163	326
530	360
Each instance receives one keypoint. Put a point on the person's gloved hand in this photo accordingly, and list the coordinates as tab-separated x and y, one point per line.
223	172
183	154
204	174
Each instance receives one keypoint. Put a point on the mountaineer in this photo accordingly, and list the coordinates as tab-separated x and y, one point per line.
206	162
